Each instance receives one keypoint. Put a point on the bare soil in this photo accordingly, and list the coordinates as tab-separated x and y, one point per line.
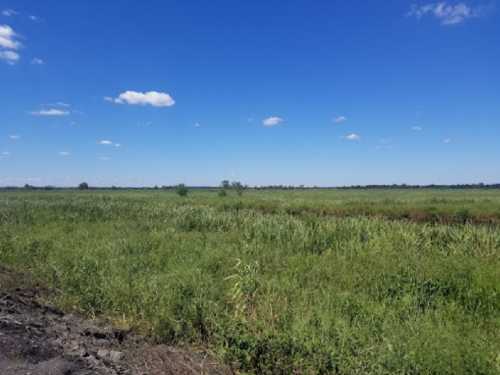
39	339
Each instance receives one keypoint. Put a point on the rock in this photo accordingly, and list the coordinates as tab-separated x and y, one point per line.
103	353
116	356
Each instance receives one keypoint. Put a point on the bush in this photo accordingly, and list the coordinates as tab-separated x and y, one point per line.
182	190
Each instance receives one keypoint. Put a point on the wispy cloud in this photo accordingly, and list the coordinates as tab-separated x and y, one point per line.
10	57
417	128
51	112
197	125
14	137
446	13
340	119
352	137
105	142
34	18
153	98
37	61
64	153
384	144
9	12
447	140
118	145
59	104
272	121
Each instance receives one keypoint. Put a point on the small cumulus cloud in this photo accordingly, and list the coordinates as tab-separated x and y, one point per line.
445	13
33	18
340	119
153	98
105	142
37	61
417	128
50	112
352	137
272	121
9	45
14	137
64	153
118	145
197	124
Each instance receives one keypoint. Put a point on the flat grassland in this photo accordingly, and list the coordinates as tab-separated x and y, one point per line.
278	282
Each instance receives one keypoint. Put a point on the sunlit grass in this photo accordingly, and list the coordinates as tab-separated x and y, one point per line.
277	282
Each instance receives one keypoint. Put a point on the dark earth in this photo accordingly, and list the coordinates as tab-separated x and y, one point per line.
38	339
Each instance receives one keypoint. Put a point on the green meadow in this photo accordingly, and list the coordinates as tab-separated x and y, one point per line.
277	282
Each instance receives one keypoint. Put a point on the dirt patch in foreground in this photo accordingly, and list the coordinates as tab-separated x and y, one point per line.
36	338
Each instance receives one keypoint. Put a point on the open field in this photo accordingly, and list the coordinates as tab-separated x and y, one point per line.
323	281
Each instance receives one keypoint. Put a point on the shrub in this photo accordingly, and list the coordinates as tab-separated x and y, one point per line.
182	190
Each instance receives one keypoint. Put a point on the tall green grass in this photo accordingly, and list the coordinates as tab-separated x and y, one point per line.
269	282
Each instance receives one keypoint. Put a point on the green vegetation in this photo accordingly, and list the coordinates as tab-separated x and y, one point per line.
182	190
313	282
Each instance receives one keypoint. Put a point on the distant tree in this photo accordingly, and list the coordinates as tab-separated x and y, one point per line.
238	187
182	190
225	184
28	186
83	186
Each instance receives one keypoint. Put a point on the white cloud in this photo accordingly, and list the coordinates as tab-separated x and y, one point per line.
33	18
197	124
10	57
447	14
417	128
153	98
8	38
50	112
9	12
105	142
339	119
64	153
37	61
447	140
118	145
59	104
352	137
272	121
14	137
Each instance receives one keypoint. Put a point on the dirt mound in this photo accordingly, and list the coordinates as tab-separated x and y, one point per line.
36	338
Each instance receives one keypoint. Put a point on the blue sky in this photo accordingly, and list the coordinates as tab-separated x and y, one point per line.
266	92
